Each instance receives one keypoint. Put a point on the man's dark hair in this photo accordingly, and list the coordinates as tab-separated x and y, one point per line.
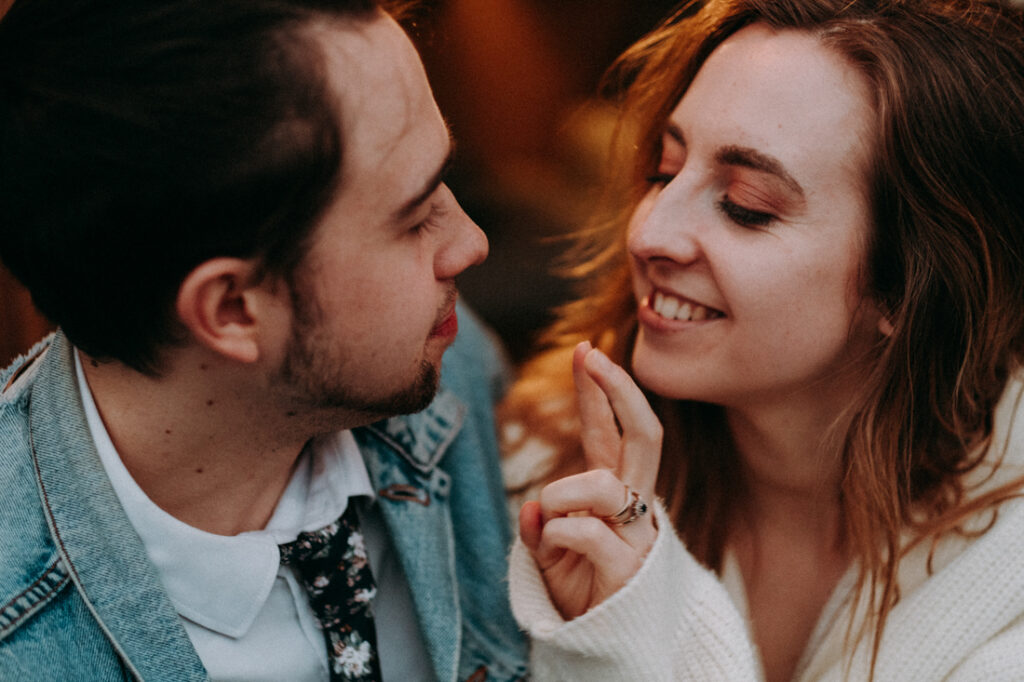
139	138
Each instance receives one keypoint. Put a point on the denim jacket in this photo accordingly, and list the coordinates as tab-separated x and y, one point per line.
79	599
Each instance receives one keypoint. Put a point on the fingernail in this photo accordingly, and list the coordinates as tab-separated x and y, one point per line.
599	357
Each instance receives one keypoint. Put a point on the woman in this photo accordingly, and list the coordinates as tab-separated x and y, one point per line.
819	284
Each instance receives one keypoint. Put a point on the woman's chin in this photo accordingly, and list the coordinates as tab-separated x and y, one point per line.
658	375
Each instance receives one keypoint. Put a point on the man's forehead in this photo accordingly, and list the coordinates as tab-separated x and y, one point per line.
393	137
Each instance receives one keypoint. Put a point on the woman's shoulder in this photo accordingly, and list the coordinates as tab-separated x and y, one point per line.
993	520
957	596
1003	461
1008	427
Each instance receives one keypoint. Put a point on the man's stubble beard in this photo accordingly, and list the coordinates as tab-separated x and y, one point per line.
311	373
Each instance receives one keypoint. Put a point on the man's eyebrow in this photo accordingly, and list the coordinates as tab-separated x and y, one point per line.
410	206
751	158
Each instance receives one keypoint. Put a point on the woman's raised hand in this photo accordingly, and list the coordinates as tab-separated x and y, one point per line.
589	533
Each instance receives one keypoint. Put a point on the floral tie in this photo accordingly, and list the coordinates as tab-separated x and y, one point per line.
333	566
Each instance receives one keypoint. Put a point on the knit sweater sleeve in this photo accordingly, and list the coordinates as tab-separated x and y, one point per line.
673	621
999	660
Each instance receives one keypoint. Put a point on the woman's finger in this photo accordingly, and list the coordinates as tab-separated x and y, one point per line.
530	524
614	560
597	492
531	527
598	431
601	494
641	430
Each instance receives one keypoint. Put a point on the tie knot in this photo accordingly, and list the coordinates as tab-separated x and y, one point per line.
338	540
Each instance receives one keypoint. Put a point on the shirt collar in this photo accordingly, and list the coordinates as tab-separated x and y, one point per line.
222	582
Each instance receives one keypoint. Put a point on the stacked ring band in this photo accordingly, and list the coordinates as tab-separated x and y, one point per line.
634	508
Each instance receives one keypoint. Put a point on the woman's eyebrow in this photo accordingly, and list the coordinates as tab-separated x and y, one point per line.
751	158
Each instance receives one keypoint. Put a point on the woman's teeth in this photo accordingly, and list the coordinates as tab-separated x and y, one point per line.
672	308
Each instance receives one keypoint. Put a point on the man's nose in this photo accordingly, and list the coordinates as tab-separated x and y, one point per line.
466	245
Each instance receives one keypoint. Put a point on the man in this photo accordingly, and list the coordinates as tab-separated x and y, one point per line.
235	211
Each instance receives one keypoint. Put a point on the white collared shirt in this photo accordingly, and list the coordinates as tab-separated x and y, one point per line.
247	616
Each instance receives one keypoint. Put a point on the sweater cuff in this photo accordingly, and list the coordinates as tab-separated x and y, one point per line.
672	610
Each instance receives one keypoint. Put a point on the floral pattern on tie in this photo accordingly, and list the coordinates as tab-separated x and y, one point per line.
351	656
333	565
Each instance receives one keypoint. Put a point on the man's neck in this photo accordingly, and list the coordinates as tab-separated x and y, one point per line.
202	440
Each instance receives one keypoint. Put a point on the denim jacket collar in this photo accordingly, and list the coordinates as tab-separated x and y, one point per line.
421	439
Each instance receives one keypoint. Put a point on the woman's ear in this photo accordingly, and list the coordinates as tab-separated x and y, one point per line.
885	326
883	314
219	303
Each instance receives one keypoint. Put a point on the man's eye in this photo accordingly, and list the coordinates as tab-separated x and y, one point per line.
426	224
744	216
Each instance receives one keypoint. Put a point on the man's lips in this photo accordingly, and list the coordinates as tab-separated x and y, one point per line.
448	327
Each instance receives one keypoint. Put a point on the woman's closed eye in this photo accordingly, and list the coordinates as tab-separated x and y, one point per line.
749	210
744	216
659	179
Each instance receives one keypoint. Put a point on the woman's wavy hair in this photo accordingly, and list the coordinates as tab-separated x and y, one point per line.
945	262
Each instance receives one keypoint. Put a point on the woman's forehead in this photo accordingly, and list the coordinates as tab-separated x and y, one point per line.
784	94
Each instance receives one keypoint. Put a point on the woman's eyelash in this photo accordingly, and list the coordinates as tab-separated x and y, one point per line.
740	215
659	179
744	216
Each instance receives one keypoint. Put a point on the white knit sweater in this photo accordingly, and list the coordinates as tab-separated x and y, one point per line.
675	620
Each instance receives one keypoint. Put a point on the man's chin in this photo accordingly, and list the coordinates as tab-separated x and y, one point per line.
316	388
415	397
334	412
419	396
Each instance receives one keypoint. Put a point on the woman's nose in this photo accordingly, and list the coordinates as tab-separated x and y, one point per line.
663	229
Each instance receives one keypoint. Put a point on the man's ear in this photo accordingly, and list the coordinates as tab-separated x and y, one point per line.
221	304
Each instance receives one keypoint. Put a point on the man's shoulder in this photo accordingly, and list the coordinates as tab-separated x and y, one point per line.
30	573
17	378
16	382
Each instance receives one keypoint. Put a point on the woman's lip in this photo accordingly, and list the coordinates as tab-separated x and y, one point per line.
448	327
648	318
